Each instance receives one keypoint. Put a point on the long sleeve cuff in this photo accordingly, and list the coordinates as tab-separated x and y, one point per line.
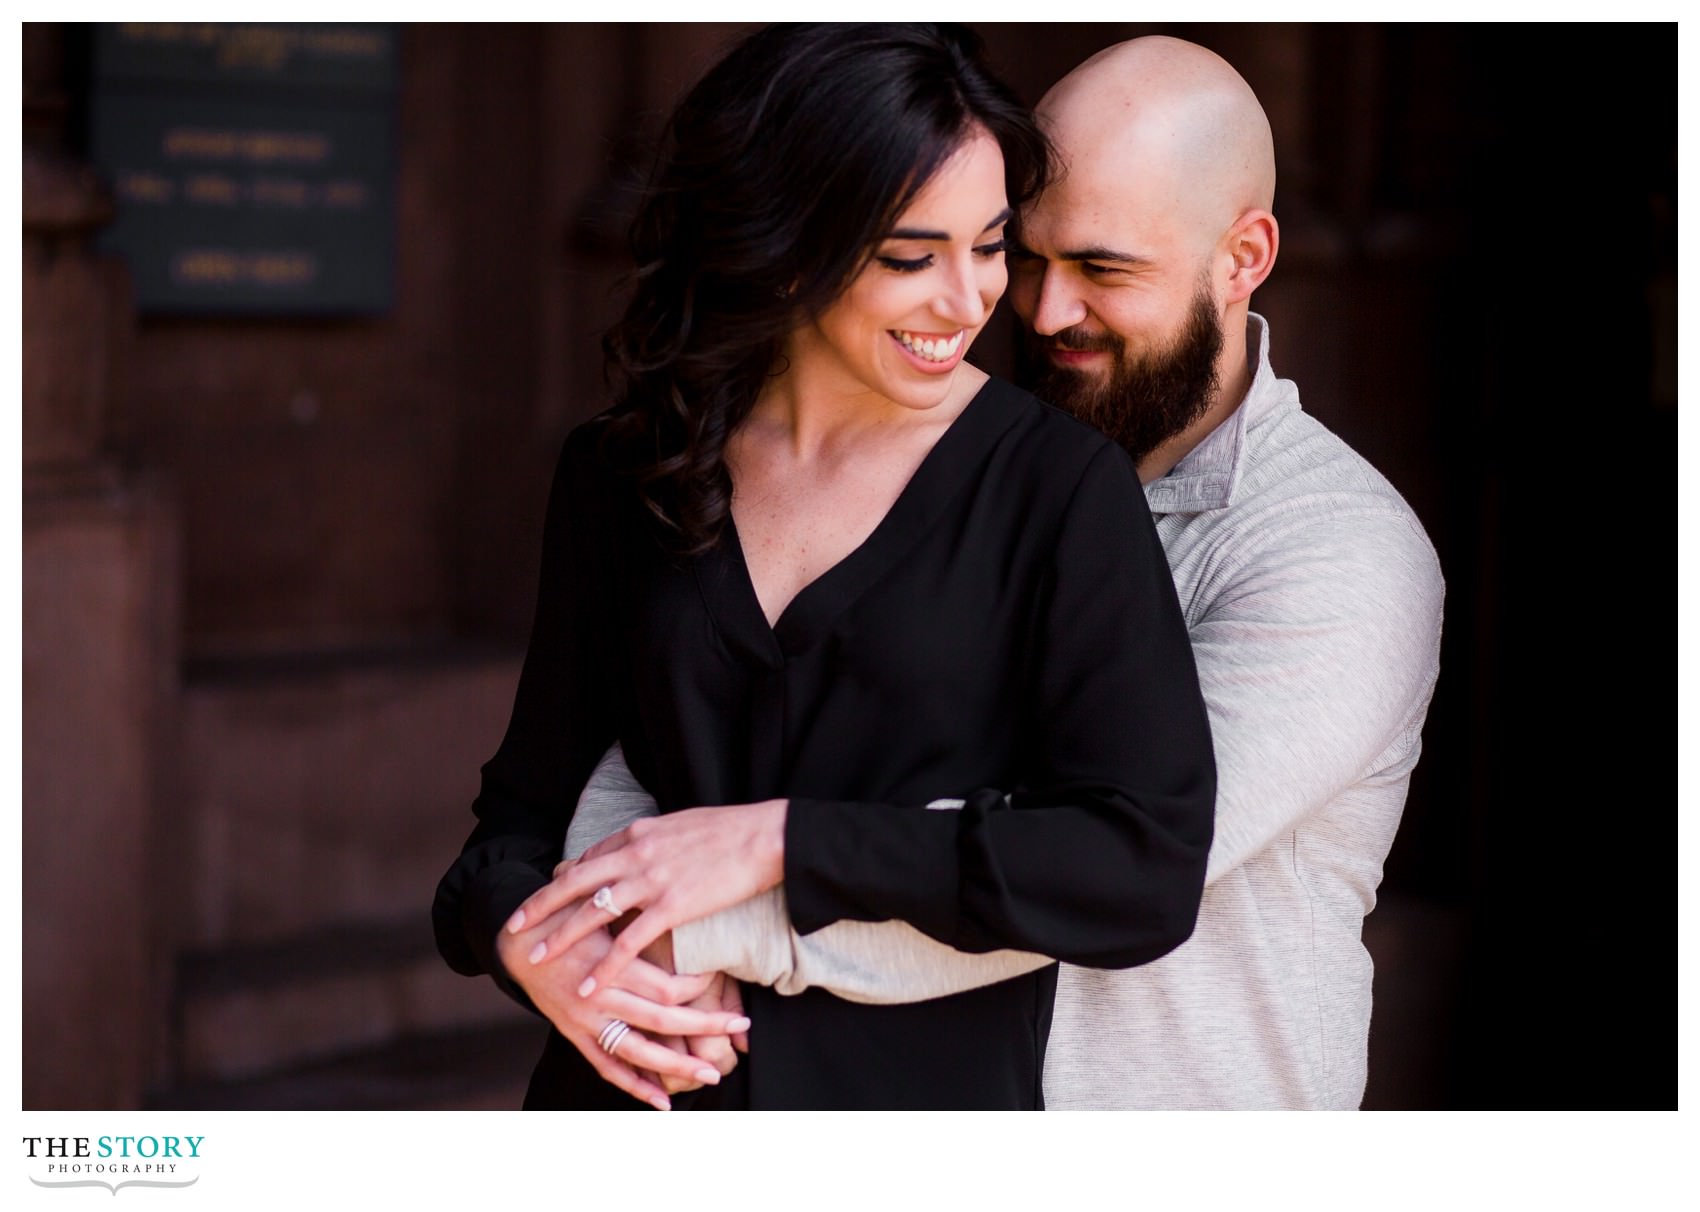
838	867
751	941
878	963
489	901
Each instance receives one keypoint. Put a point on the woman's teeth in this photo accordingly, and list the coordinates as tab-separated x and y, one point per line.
933	349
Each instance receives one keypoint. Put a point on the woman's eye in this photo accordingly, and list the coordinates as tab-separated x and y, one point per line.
992	249
904	266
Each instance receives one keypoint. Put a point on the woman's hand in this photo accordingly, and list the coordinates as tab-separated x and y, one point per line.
648	998
674	868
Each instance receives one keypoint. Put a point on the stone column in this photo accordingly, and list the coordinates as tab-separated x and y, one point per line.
99	650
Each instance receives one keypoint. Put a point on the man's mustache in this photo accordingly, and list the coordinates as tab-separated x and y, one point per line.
1078	340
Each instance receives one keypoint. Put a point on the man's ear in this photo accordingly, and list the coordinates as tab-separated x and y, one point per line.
1250	247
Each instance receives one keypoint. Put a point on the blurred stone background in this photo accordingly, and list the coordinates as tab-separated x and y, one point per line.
278	573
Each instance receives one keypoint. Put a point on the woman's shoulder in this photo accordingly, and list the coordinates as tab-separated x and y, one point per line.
1048	440
599	451
589	440
592	478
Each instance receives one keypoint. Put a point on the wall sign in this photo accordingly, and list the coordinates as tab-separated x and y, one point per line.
252	165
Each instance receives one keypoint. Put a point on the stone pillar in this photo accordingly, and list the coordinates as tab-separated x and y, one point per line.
99	651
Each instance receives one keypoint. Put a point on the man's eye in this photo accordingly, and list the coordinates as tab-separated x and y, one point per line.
903	266
1099	271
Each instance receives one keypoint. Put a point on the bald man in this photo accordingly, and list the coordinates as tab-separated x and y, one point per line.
1312	596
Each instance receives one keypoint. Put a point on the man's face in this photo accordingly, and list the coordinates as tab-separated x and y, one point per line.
1123	326
1139	399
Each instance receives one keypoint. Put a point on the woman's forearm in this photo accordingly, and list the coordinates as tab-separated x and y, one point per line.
874	962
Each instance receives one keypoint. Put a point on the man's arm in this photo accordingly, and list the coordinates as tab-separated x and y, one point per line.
1317	651
753	941
612	799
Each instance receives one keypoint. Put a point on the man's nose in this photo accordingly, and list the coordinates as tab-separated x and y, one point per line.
1045	301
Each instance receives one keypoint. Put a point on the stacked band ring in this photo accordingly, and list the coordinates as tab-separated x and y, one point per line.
612	1034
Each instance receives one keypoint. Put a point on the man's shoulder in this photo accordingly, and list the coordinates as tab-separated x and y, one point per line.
1307	500
1293	460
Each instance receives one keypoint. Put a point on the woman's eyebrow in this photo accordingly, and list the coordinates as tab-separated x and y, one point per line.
916	233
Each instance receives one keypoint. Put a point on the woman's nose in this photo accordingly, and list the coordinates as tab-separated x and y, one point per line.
968	296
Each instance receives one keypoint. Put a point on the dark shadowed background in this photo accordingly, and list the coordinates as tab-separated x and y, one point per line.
278	569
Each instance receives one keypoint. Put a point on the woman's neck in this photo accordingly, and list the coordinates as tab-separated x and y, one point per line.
816	409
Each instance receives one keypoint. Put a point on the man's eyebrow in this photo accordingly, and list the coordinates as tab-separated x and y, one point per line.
916	233
1098	252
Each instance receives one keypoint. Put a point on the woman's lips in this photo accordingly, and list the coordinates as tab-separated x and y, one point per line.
917	346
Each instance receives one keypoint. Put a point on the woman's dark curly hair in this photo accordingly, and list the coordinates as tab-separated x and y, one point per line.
779	174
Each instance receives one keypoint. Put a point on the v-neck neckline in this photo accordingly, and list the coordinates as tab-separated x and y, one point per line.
729	592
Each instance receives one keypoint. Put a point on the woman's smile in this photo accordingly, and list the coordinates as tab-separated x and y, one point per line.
932	353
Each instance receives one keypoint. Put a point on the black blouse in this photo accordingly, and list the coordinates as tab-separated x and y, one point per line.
1008	635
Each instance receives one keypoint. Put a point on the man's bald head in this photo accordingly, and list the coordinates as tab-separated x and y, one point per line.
1134	270
1169	126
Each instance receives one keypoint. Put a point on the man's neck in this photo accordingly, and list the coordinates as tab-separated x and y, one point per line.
1233	381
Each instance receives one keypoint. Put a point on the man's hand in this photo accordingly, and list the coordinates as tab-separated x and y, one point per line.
647	998
716	1050
721	1051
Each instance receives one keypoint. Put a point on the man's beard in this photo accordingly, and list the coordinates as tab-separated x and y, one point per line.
1143	401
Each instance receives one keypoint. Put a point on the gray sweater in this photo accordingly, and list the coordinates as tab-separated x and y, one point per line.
1313	601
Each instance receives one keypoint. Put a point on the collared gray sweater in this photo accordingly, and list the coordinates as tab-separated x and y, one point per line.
1313	601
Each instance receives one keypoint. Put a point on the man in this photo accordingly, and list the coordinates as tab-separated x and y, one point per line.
1312	597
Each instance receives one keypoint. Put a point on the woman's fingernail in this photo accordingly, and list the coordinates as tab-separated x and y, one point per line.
538	951
709	1077
516	923
660	1104
738	1024
586	989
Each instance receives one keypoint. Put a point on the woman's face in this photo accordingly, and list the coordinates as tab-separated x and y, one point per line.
902	327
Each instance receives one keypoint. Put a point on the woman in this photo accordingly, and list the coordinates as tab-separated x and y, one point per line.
815	572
